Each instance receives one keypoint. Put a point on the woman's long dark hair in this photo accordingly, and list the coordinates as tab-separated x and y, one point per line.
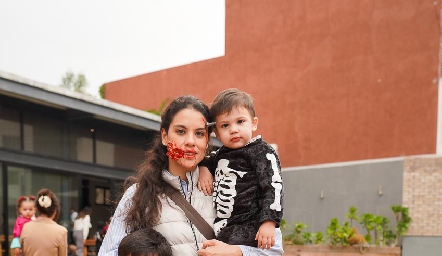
145	209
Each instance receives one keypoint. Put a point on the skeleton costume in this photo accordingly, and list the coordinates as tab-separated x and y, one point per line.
247	190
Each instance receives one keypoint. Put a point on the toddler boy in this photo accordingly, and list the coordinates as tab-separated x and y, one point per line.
248	195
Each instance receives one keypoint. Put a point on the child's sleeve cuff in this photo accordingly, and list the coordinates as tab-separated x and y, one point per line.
15	243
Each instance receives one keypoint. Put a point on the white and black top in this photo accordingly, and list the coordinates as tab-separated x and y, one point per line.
247	190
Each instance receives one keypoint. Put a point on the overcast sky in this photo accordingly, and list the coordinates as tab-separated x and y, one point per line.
107	40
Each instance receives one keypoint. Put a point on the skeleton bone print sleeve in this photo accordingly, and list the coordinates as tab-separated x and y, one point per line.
268	170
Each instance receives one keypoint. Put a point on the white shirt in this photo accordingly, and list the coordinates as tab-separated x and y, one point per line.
83	224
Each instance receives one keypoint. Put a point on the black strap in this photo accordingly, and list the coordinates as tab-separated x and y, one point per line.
201	224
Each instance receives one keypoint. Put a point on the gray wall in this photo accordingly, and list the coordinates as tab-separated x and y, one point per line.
350	184
425	246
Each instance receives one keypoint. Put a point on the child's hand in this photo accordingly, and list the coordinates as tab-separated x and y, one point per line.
17	251
266	235
205	181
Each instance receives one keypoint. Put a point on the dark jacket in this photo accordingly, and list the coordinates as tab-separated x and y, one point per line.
248	191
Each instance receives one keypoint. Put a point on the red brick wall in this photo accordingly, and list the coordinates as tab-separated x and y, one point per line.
333	80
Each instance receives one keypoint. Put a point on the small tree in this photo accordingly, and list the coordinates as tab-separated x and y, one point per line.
367	222
318	238
380	224
102	91
403	221
352	215
74	82
338	234
158	111
308	237
332	231
297	233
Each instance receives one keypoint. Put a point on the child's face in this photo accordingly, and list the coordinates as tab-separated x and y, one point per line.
235	129
27	209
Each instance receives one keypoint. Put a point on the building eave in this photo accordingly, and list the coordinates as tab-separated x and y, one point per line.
58	97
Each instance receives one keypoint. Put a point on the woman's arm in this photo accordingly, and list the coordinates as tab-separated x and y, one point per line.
117	227
218	248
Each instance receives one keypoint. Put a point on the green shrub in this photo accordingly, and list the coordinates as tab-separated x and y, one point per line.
339	235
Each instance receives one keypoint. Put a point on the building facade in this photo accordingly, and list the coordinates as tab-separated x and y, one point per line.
333	81
80	147
349	93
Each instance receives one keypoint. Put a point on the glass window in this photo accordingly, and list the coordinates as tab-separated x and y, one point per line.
9	128
80	143
42	135
122	149
24	181
2	213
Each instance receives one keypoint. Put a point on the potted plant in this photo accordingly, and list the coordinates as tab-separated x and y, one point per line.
344	239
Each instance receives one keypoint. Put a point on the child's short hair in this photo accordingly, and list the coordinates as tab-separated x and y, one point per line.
228	99
144	242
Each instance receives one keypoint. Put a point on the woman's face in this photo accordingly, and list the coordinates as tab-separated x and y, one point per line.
186	140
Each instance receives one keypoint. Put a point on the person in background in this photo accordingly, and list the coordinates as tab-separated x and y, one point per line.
144	242
44	236
26	212
99	235
106	226
72	250
82	224
72	216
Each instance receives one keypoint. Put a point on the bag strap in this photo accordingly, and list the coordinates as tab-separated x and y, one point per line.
201	224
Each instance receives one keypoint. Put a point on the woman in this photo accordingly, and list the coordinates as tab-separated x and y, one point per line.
183	128
171	161
82	224
44	236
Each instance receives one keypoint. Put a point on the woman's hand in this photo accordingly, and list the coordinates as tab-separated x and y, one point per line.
205	181
217	248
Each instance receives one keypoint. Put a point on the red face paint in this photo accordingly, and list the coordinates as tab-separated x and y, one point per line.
174	152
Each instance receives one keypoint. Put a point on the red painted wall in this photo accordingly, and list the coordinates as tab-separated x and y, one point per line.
333	80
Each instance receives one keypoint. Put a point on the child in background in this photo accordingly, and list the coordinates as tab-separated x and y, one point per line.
248	195
72	250
26	211
106	227
144	242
